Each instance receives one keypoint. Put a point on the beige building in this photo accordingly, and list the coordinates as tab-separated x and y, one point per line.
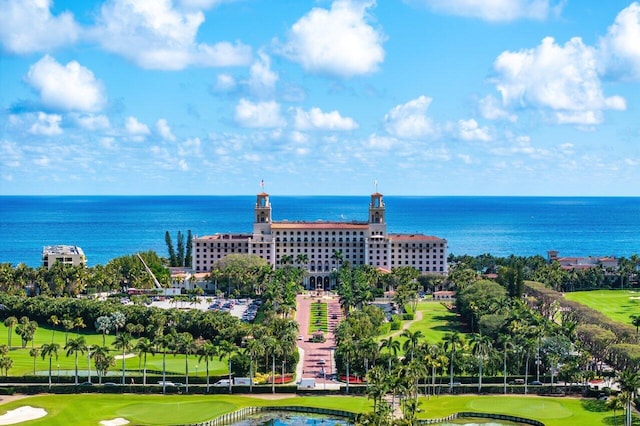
324	244
69	255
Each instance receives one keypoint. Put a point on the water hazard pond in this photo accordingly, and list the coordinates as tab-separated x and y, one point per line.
291	419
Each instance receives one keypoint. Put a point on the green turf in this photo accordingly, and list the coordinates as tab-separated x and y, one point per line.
436	321
89	409
318	318
23	362
550	411
615	304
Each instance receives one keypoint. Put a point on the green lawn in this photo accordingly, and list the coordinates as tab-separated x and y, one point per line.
550	411
23	362
89	409
436	322
615	304
318	318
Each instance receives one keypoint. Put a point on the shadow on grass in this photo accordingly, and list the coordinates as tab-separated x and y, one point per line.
618	420
594	405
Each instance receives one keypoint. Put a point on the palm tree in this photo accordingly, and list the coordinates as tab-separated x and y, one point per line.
50	350
635	320
226	349
452	342
34	352
346	348
164	342
413	339
629	380
616	403
186	344
255	348
102	360
123	342
392	345
207	351
74	346
481	347
53	320
144	346
507	343
10	322
273	347
378	382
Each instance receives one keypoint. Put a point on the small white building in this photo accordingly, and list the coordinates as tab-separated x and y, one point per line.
68	255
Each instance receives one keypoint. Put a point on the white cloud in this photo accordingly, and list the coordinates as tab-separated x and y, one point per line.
491	109
381	143
410	120
42	161
468	130
136	128
91	121
203	4
262	80
190	148
259	114
47	125
620	47
28	26
71	87
315	119
497	10
152	34
466	159
562	79
163	129
225	83
338	41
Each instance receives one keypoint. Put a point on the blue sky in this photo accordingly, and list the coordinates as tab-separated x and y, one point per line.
428	97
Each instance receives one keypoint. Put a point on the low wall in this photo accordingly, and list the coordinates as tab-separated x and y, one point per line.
239	415
492	416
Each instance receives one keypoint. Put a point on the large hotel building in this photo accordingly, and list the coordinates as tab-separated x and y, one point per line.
360	243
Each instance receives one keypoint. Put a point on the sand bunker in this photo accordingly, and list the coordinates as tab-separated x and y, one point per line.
115	422
22	414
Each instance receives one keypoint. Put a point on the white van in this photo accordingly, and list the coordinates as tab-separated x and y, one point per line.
221	383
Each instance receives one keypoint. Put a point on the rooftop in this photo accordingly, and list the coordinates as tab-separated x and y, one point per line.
62	249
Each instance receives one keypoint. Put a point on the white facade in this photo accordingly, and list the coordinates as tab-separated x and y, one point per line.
69	255
322	243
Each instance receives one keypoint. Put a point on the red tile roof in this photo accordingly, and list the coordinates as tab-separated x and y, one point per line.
414	237
319	225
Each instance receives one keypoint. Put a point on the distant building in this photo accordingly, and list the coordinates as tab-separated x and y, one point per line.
323	244
69	255
575	263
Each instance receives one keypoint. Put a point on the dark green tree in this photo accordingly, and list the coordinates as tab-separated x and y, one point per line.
173	261
189	254
180	253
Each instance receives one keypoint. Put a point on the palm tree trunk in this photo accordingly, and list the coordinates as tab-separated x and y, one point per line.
230	383
251	375
273	373
480	378
144	371
186	372
347	378
49	372
123	378
207	365
76	382
526	375
164	372
504	371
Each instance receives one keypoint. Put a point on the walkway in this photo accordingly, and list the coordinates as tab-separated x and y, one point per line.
316	359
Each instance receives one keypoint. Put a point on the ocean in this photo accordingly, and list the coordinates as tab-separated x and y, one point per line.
110	226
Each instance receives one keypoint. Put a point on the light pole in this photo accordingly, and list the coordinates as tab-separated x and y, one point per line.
324	378
58	373
196	370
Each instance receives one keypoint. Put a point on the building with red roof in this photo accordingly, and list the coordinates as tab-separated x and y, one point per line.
324	244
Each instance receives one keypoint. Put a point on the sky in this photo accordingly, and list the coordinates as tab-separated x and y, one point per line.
343	97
